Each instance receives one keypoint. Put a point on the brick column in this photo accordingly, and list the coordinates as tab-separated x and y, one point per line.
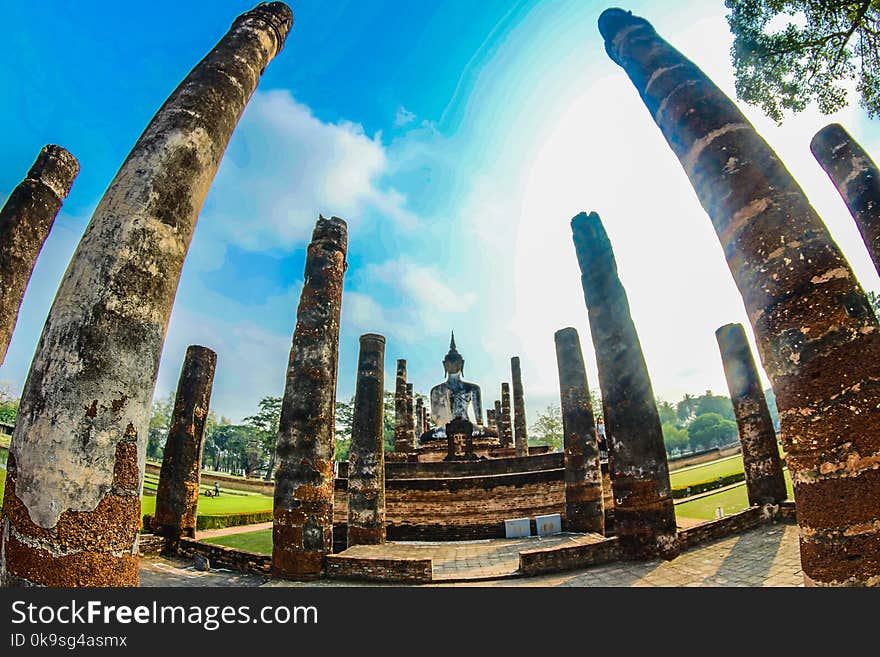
763	469
302	532
177	497
520	436
644	516
410	419
401	437
25	222
817	336
856	178
506	423
584	510
71	512
366	470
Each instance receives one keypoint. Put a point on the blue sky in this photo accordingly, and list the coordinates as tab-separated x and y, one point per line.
457	138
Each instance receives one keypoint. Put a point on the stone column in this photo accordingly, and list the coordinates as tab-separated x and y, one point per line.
644	516
520	437
302	532
584	510
497	417
25	222
71	511
506	423
410	419
818	338
401	437
763	469
419	418
177	497
366	469
857	179
490	418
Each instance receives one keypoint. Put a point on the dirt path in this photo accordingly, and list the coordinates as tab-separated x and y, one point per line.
241	529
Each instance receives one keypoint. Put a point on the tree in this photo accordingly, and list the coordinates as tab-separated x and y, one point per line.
874	300
686	407
547	429
674	438
711	403
667	412
8	406
711	430
788	53
160	421
265	425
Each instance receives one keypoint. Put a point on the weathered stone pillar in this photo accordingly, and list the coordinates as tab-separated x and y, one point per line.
25	222
763	469
490	418
419	418
401	437
71	511
177	497
520	436
817	337
302	533
506	423
497	417
366	470
644	516
857	179
410	418
584	510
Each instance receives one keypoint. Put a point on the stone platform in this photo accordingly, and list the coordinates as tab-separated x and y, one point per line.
766	555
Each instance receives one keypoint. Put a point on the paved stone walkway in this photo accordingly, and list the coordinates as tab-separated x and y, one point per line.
766	556
240	529
497	557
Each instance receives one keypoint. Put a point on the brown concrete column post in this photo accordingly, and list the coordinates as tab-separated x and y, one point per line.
401	438
177	497
71	512
584	510
302	531
366	470
520	436
644	516
506	422
857	179
765	481
25	222
818	338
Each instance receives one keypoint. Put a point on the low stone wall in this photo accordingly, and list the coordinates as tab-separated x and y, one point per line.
728	525
567	557
703	457
150	544
450	469
221	556
226	481
403	570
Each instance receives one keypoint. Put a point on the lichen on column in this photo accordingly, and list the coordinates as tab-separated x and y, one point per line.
302	531
644	515
25	222
817	337
71	511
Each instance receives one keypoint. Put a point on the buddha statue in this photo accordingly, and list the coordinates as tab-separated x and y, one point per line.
452	398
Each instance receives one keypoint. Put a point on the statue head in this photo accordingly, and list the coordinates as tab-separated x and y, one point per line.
453	363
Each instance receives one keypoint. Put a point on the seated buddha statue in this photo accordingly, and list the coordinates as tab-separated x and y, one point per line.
452	398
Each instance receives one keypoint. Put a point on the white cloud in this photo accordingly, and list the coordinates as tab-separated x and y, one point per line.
403	117
284	166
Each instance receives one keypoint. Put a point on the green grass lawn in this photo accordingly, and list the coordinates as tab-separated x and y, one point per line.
732	501
259	541
706	472
210	506
2	486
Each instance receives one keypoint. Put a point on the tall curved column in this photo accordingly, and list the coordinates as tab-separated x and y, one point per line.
817	336
177	496
856	178
584	508
366	471
644	515
302	528
71	512
25	222
765	481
